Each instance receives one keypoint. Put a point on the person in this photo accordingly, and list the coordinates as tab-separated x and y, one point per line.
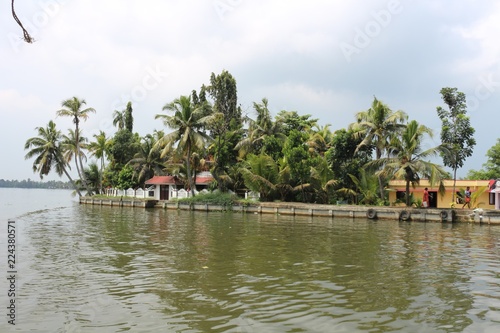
467	197
425	199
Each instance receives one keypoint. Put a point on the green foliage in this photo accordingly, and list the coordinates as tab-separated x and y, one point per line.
409	161
123	147
376	127
456	131
46	148
291	121
260	174
214	198
129	119
491	169
346	160
125	179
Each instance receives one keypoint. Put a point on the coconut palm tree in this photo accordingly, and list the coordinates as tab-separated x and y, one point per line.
188	122
376	126
260	174
69	149
259	131
73	108
119	119
99	149
409	161
46	148
147	162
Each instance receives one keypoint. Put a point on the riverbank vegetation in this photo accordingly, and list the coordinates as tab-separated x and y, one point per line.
287	157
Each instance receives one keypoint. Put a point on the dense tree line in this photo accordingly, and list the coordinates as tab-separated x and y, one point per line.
288	157
29	183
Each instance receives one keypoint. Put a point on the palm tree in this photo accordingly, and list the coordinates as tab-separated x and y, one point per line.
46	147
99	149
73	108
259	130
376	126
408	160
260	174
69	150
147	162
188	122
119	119
320	139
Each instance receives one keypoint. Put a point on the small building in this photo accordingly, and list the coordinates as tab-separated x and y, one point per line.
489	199
168	187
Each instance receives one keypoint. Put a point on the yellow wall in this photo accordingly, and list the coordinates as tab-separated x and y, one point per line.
445	201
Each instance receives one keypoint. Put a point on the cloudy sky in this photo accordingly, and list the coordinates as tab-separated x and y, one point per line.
326	58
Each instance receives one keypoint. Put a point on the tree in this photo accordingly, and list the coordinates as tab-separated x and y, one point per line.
99	149
226	124
260	174
456	131
147	162
129	119
297	157
73	108
46	148
376	126
491	169
261	132
346	160
119	119
189	123
407	160
290	120
69	150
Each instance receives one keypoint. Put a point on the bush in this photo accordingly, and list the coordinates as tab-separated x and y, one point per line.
214	198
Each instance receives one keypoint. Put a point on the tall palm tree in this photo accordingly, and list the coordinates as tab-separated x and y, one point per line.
46	147
376	126
69	150
99	149
188	122
409	161
73	108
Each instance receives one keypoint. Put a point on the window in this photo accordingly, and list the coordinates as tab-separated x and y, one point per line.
492	198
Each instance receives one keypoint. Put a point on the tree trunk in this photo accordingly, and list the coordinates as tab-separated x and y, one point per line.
79	158
407	193
188	170
72	182
378	153
454	185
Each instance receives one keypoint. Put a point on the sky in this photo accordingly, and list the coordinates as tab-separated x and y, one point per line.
326	58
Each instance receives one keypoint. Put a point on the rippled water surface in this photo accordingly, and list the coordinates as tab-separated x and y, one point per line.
103	269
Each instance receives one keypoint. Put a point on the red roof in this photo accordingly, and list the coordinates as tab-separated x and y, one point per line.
172	180
203	180
163	180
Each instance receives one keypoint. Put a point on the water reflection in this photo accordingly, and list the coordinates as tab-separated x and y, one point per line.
111	269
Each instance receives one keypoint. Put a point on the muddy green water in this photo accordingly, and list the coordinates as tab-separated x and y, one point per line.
109	269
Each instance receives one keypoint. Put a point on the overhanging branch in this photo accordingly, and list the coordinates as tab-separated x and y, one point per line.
27	38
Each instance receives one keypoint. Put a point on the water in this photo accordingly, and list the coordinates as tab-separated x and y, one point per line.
109	269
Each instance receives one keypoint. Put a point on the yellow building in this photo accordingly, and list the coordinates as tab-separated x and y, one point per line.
481	195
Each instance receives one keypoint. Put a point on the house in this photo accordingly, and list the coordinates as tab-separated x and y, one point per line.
169	187
489	199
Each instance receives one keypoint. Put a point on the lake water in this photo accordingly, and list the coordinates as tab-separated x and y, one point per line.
109	269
